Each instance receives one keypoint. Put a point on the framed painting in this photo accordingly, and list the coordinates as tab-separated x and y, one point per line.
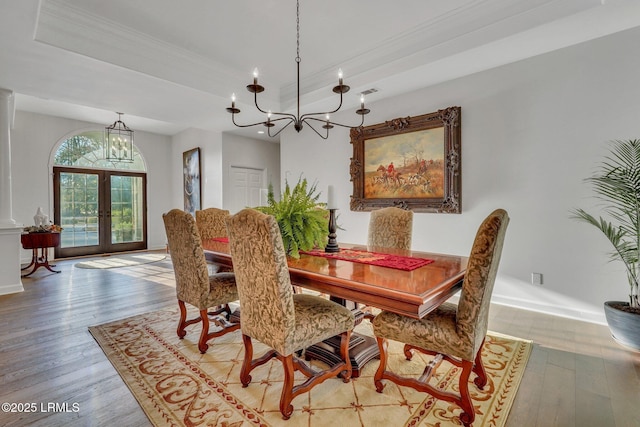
191	180
410	162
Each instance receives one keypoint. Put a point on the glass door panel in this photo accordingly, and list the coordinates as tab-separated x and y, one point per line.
126	209
79	211
99	211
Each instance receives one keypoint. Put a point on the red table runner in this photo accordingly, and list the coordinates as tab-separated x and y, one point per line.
398	262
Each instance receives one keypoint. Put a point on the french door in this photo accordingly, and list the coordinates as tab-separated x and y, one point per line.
100	211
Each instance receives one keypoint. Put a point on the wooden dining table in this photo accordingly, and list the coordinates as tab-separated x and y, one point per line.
411	293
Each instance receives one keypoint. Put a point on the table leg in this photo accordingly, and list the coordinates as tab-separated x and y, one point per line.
34	256
362	348
40	261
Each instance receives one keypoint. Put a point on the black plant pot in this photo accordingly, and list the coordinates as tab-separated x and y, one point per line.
624	326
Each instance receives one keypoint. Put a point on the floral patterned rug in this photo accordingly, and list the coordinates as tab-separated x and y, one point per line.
177	386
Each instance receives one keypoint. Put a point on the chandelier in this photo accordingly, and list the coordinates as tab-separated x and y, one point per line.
119	140
298	120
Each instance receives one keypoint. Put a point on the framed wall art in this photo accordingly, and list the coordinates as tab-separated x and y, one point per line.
411	162
191	180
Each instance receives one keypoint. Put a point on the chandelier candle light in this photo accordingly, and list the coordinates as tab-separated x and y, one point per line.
297	119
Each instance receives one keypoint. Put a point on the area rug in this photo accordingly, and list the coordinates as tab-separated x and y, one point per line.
121	261
177	386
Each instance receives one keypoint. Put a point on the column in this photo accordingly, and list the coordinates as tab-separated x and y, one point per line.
10	279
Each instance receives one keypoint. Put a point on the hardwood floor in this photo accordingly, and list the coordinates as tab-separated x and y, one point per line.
576	376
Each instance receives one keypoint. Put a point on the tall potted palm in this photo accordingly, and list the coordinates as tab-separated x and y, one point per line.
616	183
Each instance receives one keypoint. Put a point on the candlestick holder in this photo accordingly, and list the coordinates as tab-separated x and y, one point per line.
332	244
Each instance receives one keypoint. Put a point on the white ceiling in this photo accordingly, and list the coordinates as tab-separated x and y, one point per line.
171	65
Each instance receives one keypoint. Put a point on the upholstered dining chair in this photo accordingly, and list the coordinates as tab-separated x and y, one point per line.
272	314
194	285
390	227
211	224
452	333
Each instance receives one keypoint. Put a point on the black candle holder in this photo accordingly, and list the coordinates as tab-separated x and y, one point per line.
332	244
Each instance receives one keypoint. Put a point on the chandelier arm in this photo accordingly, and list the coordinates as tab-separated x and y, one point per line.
306	120
255	101
281	129
233	119
315	130
309	115
285	116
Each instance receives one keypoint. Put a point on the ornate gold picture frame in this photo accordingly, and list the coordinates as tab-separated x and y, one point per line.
410	162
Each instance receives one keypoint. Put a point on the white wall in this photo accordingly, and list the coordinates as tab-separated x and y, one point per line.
531	132
33	139
245	152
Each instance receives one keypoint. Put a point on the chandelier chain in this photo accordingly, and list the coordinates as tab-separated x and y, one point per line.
298	120
297	31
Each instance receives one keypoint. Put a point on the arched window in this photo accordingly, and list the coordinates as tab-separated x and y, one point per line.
100	204
87	150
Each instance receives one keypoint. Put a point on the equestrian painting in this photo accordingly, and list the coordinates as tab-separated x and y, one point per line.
411	162
409	165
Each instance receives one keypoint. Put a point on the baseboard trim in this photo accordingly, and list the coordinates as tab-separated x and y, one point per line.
11	288
561	311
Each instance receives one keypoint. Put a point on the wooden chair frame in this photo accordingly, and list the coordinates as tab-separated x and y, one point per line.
205	335
291	364
422	384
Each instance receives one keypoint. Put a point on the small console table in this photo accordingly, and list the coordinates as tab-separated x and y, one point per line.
41	241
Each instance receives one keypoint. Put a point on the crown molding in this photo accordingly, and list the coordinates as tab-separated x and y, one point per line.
477	23
71	28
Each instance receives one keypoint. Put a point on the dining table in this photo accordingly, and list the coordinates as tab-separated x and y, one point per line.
412	293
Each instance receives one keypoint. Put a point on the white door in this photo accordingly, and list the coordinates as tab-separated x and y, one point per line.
246	184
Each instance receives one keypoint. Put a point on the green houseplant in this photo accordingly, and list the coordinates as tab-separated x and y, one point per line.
303	221
616	184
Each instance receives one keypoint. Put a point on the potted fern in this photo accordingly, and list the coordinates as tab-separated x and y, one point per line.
303	221
617	184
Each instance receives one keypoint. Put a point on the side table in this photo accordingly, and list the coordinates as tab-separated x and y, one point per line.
40	241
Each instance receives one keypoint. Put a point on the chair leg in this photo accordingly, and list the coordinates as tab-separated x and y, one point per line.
481	380
286	408
182	322
245	378
205	335
291	364
422	384
468	412
202	343
345	338
377	379
248	364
